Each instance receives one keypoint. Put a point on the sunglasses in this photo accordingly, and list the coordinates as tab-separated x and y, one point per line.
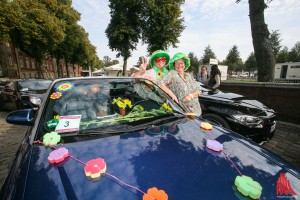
163	59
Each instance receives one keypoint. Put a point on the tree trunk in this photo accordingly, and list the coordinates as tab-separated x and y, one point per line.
260	37
124	66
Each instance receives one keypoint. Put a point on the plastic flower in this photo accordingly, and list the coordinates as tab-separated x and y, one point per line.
248	187
122	103
51	138
55	95
166	107
214	145
95	89
65	86
156	194
94	168
206	125
58	155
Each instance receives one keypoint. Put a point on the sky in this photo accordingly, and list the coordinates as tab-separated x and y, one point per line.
218	23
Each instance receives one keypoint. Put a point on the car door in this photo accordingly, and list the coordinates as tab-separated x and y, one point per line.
9	96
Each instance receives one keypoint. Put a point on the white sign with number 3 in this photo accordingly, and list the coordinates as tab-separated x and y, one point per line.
68	123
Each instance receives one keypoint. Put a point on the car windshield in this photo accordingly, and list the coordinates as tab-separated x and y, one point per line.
33	85
102	105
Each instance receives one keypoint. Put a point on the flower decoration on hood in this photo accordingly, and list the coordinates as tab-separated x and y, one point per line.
58	155
206	126
94	168
55	95
51	138
122	103
156	194
214	145
248	187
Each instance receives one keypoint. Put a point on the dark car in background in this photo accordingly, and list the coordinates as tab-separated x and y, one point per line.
81	145
26	93
241	114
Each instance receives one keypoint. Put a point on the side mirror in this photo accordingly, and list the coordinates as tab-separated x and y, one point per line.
21	117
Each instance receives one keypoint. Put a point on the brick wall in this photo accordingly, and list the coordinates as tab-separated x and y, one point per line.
283	98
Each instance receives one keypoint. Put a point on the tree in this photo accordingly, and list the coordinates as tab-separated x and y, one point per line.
294	54
195	62
4	27
233	59
123	31
33	28
283	55
275	42
250	63
261	43
161	23
208	54
106	60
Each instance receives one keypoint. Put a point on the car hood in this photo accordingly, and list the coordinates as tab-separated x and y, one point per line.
233	98
175	160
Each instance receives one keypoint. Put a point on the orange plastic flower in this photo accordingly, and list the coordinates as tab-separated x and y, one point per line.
156	194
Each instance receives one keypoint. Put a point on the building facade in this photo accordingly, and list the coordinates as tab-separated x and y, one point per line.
16	64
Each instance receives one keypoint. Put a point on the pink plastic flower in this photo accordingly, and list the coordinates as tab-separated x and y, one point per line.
94	168
214	145
58	155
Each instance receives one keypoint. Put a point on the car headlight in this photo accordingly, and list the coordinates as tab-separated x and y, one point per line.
247	120
35	100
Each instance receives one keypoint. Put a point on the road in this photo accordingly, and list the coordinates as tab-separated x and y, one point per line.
285	143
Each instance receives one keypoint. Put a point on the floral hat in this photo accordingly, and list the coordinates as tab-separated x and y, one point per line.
158	54
178	56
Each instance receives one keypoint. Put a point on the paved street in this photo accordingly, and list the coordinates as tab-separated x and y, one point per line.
286	143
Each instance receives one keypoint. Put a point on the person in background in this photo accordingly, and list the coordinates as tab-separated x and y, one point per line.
158	62
214	81
181	86
203	78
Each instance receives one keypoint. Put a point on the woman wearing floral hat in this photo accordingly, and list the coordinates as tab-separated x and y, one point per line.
180	85
158	62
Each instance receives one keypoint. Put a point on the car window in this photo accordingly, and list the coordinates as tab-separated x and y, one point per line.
96	104
33	85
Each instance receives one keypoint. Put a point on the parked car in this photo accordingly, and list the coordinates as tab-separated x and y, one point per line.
243	75
80	146
25	93
241	114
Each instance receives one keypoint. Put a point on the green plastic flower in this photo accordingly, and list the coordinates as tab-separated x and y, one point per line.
51	138
248	187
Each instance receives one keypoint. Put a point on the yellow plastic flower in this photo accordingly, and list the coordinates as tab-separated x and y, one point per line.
122	103
166	107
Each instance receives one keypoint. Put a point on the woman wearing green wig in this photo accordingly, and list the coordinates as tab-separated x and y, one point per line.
158	62
181	86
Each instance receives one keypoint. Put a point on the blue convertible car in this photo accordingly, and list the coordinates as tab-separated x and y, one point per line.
124	138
